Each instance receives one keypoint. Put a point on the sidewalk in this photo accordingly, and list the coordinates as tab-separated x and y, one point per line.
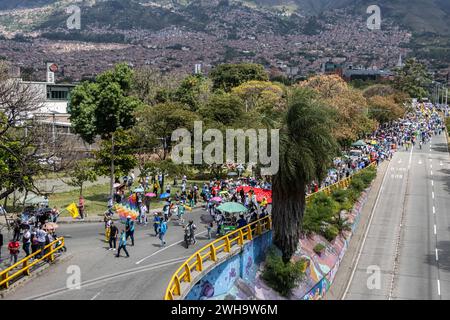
95	218
345	269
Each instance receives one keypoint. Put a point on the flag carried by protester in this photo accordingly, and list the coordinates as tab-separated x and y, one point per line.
73	210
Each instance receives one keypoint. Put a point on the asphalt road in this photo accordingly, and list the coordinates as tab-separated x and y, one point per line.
144	275
408	239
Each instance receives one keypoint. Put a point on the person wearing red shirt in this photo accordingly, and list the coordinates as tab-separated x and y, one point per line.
13	248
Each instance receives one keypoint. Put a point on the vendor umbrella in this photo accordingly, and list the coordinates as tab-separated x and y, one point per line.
150	194
232	207
116	185
138	190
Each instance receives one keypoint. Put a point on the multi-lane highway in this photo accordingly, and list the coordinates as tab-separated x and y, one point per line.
408	237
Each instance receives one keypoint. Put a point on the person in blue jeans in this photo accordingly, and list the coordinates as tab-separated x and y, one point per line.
162	232
129	228
122	244
156	223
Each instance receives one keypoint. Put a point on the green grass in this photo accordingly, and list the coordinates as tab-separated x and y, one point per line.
96	198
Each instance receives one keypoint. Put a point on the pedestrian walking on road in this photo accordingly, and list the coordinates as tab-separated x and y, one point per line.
162	232
209	228
122	244
129	227
113	233
156	223
26	240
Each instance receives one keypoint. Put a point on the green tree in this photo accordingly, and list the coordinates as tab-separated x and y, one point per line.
102	107
227	76
156	124
123	156
193	91
223	108
413	78
83	171
307	148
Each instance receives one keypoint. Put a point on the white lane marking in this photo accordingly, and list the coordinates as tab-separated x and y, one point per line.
439	287
435	231
432	183
365	234
437	256
432	195
93	298
441	164
410	158
431	172
163	249
420	162
112	276
434	209
431	166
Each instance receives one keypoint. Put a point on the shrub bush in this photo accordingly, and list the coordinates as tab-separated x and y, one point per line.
280	276
340	195
357	184
331	233
367	176
318	248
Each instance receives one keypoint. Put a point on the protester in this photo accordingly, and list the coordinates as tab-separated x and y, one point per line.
113	233
123	244
129	227
13	247
81	207
26	242
162	232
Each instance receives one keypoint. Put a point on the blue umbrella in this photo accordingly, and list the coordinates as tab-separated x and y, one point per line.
164	195
138	190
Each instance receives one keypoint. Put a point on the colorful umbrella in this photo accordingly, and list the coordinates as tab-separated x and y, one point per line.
216	199
164	195
138	190
232	207
150	194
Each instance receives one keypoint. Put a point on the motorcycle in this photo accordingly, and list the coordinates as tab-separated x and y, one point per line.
188	238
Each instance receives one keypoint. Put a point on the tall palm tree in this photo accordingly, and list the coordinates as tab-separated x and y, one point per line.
307	148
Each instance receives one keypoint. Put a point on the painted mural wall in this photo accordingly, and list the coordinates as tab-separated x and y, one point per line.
220	281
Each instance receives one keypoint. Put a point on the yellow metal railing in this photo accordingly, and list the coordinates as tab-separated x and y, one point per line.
209	253
341	184
237	237
49	254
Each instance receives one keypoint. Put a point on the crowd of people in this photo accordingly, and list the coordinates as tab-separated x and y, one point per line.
414	129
